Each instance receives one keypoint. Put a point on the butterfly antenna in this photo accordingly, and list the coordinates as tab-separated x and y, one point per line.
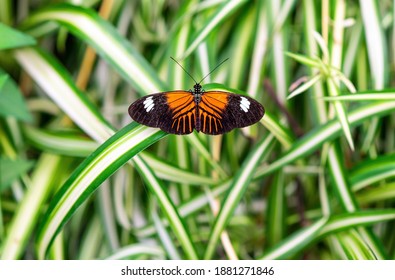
184	70
213	70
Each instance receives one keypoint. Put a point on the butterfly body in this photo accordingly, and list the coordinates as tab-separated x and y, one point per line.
197	93
210	112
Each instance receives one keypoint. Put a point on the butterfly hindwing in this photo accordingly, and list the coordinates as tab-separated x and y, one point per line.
173	111
221	112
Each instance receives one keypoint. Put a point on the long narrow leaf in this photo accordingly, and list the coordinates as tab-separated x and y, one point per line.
237	189
106	40
90	174
224	11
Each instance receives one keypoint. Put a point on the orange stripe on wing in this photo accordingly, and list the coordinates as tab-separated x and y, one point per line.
217	98
182	106
175	99
212	108
214	103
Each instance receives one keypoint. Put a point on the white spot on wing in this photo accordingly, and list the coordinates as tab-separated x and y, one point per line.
150	107
148	103
244	104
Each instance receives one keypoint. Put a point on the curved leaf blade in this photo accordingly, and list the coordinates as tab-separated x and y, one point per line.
110	156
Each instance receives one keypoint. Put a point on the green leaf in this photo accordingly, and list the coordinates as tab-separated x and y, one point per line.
304	87
324	226
105	39
355	247
379	95
369	172
12	103
10	170
236	191
176	222
326	132
222	13
313	63
135	250
110	156
341	113
382	193
11	38
43	181
376	42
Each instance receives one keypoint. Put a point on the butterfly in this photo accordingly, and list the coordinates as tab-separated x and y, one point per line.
182	111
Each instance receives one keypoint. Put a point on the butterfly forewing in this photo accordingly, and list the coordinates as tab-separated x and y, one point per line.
172	111
151	110
220	112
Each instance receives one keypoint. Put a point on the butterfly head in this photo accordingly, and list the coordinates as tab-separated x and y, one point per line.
197	89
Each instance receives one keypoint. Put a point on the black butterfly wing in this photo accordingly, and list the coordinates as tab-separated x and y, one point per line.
173	112
220	112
